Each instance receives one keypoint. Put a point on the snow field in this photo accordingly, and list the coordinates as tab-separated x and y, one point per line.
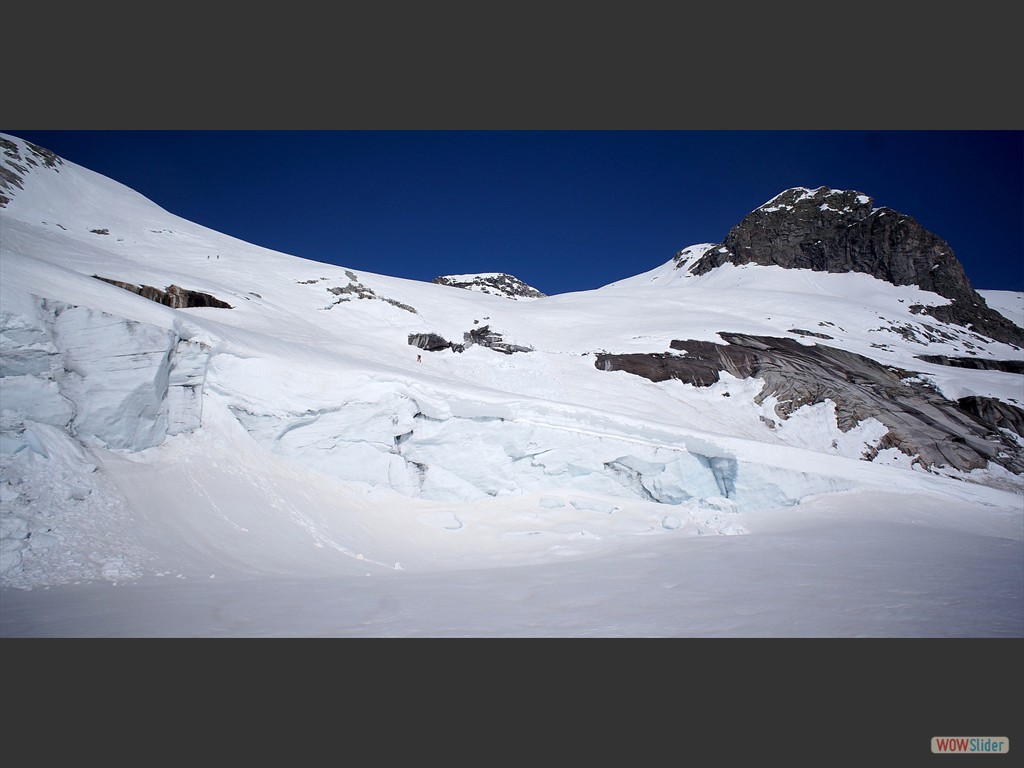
292	457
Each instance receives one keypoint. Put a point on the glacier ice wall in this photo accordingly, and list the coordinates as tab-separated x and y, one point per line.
419	449
123	383
71	377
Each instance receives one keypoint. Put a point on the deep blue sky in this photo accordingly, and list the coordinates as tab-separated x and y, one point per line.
561	210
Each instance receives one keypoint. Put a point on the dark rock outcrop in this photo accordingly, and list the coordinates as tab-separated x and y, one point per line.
173	296
432	342
356	290
975	363
831	230
15	165
994	412
498	284
964	435
484	336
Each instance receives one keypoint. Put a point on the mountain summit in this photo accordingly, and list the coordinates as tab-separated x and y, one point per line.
834	230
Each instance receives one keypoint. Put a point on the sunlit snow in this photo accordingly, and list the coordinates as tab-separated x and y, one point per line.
292	466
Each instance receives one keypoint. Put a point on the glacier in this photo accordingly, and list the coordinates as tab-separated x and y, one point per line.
286	438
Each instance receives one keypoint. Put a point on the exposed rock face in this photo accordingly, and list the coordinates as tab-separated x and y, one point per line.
498	284
12	172
355	289
995	412
830	230
921	422
174	296
975	363
433	342
483	336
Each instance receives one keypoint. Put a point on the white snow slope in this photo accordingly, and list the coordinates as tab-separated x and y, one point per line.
287	467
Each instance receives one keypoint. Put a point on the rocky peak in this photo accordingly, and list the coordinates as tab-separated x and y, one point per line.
496	283
831	230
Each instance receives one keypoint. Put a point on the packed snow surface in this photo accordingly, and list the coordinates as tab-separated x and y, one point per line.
293	466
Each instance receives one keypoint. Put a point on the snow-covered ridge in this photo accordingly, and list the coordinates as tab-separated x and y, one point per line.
790	198
494	283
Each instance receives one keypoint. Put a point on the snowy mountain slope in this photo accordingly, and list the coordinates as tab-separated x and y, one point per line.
1008	303
301	432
